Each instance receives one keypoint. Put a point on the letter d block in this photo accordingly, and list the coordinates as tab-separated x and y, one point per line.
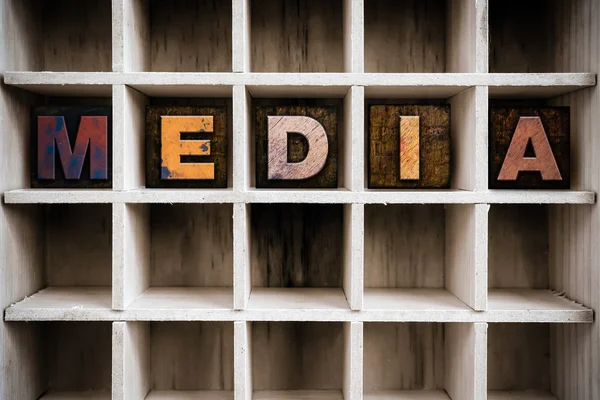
186	147
529	148
409	146
296	146
71	147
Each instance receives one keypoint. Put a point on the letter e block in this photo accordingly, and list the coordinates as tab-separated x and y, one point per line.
186	147
71	147
529	148
409	146
296	146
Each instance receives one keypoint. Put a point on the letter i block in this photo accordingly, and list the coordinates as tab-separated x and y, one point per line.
409	146
296	146
529	148
71	147
186	147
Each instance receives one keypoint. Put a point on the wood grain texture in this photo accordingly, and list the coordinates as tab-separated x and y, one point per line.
78	355
326	115
296	36
190	36
296	245
505	124
409	148
191	245
174	147
278	167
74	35
519	357
77	245
385	142
191	356
218	146
408	356
405	36
73	156
297	355
520	40
518	247
404	246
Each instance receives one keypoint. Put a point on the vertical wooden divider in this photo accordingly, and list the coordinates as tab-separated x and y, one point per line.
241	256
465	369
354	35
466	253
130	360
353	237
242	364
130	35
240	35
353	361
353	152
467	36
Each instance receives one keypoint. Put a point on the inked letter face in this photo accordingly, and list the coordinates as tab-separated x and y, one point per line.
173	147
529	129
278	166
529	148
409	146
92	133
296	145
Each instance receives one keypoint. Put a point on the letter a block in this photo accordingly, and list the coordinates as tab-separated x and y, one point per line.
529	148
186	147
296	146
409	146
71	147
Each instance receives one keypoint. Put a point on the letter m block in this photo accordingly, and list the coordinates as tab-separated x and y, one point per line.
71	147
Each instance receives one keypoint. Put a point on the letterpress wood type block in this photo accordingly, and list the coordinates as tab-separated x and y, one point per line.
409	146
529	148
296	144
186	147
71	147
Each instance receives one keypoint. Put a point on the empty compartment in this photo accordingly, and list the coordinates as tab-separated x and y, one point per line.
69	252
177	360
405	361
186	255
296	255
297	356
520	361
405	36
61	35
72	360
296	36
189	36
518	247
534	39
408	253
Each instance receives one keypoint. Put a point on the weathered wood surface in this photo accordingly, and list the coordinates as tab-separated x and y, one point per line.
297	355
405	36
503	124
326	115
407	356
278	167
385	158
71	147
174	147
218	148
297	36
296	245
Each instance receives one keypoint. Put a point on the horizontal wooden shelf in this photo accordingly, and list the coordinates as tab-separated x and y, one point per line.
539	305
297	395
337	196
188	298
190	395
410	85
407	395
82	395
296	304
520	395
